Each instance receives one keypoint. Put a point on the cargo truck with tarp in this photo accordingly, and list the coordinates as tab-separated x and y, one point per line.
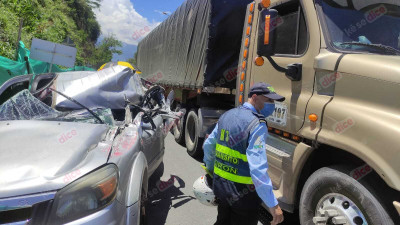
333	144
195	52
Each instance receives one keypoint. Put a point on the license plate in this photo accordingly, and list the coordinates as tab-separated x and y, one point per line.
279	116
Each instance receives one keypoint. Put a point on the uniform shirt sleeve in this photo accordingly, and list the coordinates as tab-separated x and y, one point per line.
209	149
257	158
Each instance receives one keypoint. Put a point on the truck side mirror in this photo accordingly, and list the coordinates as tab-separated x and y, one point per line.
265	42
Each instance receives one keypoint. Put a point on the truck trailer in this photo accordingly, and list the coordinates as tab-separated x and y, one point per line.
333	145
195	52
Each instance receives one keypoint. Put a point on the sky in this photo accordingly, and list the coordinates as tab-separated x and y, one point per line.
131	20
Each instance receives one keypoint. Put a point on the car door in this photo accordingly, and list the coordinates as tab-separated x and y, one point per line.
153	142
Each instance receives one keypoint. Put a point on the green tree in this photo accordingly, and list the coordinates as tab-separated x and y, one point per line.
104	51
52	20
82	13
94	3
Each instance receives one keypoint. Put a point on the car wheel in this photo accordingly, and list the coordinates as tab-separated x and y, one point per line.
179	130
331	196
192	132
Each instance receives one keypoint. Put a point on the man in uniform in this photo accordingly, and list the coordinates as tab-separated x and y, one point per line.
235	152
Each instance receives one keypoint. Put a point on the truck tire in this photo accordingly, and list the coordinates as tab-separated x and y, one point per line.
331	196
179	131
192	132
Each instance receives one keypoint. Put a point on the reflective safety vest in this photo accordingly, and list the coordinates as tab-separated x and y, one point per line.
234	129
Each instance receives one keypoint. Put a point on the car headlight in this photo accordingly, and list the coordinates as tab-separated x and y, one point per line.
85	196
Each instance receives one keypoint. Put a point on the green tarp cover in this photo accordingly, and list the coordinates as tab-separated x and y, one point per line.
10	68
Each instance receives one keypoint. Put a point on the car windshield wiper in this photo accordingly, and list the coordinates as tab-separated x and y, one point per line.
76	102
384	48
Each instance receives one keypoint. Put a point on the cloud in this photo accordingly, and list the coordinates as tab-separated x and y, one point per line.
120	18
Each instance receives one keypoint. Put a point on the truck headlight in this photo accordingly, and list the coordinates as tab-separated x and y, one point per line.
85	196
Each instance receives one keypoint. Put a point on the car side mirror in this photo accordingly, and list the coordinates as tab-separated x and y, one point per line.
266	33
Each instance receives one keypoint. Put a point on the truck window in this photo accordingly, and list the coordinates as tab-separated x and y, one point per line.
364	26
291	30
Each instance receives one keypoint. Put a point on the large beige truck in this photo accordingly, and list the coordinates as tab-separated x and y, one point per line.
334	148
334	143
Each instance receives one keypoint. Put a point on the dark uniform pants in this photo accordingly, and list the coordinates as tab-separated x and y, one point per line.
232	216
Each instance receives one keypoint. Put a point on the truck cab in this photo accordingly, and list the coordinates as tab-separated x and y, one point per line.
333	146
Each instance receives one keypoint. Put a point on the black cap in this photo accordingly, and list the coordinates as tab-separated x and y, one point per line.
266	90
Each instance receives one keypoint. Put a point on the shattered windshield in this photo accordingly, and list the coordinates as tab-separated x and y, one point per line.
24	106
368	26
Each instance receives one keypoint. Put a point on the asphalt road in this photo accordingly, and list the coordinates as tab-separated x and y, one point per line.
171	199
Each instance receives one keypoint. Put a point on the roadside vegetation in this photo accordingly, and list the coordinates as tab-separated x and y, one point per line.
69	22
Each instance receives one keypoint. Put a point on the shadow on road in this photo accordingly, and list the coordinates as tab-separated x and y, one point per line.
199	157
161	194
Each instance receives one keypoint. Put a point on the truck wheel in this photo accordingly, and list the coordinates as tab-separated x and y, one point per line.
192	132
179	131
333	197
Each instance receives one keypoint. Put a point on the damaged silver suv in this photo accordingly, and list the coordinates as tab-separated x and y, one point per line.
80	147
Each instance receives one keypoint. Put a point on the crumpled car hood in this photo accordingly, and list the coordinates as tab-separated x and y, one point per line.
39	156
